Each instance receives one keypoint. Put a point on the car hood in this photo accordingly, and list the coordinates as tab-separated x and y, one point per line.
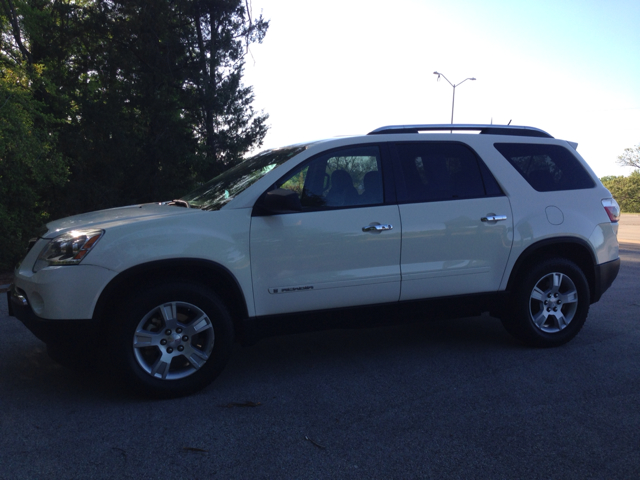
115	216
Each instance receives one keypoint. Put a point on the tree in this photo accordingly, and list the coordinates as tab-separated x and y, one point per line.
227	124
30	166
151	92
626	191
11	28
142	99
630	157
128	136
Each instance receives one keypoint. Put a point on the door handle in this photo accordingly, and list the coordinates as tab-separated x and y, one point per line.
493	218
377	228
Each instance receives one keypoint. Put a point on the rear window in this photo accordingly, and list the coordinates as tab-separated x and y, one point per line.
547	168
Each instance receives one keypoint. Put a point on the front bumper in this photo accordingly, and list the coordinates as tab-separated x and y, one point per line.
49	331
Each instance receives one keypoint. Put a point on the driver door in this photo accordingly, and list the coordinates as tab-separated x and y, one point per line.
342	249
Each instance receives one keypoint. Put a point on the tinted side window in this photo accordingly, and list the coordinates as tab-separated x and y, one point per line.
547	168
342	178
435	171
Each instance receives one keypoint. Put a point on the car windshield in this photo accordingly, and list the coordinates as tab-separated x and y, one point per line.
217	192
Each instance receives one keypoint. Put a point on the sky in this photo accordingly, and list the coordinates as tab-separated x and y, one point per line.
346	67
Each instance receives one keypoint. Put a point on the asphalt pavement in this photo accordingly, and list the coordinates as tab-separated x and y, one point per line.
457	399
629	228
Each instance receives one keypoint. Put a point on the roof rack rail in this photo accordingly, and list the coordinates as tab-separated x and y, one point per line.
483	129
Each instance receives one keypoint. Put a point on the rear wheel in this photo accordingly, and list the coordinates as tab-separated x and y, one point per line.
172	340
550	305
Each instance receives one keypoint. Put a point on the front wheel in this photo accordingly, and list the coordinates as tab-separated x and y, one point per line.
550	304
172	340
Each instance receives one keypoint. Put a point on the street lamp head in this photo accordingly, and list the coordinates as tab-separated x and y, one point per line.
453	101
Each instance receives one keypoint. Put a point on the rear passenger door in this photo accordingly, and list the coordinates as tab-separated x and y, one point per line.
456	221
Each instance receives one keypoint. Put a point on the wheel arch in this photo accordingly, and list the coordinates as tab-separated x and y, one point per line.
575	249
210	274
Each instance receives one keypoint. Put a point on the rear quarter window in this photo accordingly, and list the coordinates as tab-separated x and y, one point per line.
547	168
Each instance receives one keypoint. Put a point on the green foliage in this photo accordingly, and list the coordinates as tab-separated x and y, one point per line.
626	191
30	166
156	97
296	182
141	99
227	123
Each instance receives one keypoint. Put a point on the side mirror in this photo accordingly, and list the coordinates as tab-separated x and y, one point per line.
276	202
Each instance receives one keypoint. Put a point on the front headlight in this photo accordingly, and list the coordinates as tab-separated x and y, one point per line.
68	249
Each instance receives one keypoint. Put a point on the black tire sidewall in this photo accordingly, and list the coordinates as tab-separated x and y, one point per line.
137	306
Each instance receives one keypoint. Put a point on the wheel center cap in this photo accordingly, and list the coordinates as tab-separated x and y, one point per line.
175	340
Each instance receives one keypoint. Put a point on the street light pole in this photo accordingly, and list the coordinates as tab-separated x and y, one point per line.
453	102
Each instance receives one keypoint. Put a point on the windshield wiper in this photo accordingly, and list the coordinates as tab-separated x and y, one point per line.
179	203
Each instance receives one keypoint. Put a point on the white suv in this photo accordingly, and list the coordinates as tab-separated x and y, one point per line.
406	223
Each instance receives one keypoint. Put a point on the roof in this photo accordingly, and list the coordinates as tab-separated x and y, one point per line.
482	129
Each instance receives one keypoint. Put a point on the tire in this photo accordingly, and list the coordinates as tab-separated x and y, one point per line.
550	304
172	339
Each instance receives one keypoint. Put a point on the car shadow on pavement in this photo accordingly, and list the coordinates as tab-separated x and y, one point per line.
375	348
27	369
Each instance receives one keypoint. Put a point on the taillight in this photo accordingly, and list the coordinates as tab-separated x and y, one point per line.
612	208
